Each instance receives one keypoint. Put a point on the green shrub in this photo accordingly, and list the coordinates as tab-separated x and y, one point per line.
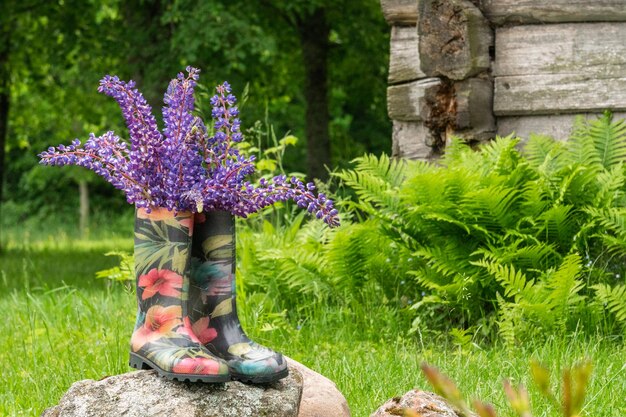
525	242
532	240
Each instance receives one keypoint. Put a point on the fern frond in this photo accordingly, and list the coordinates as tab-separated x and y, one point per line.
610	185
492	205
375	181
612	218
509	317
500	155
564	284
543	153
613	298
390	171
557	224
536	255
457	153
601	141
513	281
613	223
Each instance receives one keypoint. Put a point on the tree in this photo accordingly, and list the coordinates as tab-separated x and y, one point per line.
58	51
46	80
294	47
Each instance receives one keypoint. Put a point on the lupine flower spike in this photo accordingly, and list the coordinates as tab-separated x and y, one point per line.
183	169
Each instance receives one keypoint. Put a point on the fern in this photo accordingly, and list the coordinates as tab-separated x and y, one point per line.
601	142
563	285
498	234
390	171
613	298
543	153
376	180
514	282
558	225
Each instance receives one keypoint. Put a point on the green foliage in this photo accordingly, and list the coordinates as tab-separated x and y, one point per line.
59	50
64	326
124	272
525	243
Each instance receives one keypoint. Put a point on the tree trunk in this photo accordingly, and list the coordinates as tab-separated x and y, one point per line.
314	31
83	190
5	44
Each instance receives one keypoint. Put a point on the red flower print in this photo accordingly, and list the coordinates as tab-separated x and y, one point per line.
203	331
197	366
159	321
187	331
162	281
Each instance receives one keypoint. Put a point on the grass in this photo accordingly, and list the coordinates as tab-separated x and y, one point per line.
62	325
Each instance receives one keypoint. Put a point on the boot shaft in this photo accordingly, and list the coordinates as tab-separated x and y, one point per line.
162	258
213	260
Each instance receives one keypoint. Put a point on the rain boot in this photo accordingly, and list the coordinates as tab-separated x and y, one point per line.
213	306
163	339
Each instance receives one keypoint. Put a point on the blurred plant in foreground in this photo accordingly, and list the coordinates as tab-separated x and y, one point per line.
574	385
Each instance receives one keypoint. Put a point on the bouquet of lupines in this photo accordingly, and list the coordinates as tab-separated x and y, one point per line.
187	184
186	168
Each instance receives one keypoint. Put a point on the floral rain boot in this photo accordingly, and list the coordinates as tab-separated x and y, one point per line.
163	339
212	303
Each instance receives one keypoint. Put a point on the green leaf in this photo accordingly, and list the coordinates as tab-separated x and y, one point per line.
223	308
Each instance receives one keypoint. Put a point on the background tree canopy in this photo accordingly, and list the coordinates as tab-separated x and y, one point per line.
316	69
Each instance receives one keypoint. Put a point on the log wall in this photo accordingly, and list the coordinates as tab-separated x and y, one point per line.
477	68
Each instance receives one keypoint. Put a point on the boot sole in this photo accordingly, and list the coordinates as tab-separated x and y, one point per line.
140	363
259	379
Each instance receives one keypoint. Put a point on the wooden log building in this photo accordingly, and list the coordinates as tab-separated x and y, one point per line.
477	68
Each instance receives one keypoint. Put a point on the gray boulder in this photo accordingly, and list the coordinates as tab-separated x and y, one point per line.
304	393
144	394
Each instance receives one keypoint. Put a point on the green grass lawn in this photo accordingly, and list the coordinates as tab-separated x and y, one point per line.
61	325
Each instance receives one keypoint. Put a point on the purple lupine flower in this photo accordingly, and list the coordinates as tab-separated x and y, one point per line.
183	169
144	163
183	135
228	168
107	156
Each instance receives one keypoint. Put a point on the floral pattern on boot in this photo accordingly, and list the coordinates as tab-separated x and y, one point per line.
163	338
213	307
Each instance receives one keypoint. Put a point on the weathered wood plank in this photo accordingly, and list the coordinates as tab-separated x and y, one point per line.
454	39
597	50
405	102
475	121
410	141
556	126
400	11
404	59
544	11
557	93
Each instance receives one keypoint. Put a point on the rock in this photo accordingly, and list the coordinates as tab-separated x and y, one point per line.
425	404
143	393
320	396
